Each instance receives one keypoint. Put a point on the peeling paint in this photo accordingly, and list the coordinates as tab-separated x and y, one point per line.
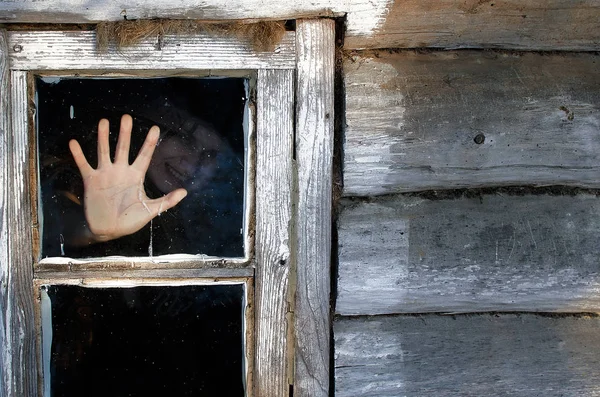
364	16
365	20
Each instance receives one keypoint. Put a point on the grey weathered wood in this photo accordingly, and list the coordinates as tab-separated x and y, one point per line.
488	253
363	16
5	325
75	50
480	355
21	378
120	263
207	273
412	119
526	24
274	148
314	148
72	11
523	24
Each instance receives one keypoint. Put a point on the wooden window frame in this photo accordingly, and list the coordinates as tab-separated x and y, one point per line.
292	215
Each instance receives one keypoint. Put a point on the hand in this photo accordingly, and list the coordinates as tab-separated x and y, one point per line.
115	201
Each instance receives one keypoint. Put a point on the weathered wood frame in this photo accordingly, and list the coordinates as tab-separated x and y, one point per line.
280	222
314	155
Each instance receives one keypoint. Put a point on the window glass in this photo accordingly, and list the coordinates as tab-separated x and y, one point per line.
201	149
144	341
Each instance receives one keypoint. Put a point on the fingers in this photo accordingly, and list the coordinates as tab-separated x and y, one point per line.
84	167
122	151
160	205
145	155
103	145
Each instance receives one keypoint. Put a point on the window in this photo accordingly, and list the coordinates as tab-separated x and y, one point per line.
286	206
203	139
144	339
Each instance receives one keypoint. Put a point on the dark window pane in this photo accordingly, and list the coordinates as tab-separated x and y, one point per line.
147	341
201	149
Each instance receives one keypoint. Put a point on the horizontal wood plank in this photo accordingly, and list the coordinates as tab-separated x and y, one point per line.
413	120
200	273
362	16
76	50
481	355
511	24
487	253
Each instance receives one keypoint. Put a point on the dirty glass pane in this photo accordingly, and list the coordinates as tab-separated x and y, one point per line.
143	341
203	124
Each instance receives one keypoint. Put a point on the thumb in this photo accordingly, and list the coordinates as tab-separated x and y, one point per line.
160	205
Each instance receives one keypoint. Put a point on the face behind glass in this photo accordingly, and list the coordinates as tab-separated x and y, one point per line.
185	160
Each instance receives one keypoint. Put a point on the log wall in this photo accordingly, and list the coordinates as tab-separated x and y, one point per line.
468	255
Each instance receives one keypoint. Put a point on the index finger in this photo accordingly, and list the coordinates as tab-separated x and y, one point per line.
145	155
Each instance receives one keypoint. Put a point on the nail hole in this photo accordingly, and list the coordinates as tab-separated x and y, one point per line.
479	139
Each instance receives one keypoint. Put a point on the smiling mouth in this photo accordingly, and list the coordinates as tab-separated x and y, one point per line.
179	176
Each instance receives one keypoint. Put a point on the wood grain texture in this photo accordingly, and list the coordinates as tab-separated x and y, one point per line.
314	148
20	307
199	273
75	50
488	253
274	147
516	24
5	326
513	24
480	355
412	119
362	16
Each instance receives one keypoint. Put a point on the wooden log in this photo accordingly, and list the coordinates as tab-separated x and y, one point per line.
314	153
511	24
471	355
274	146
487	253
442	120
